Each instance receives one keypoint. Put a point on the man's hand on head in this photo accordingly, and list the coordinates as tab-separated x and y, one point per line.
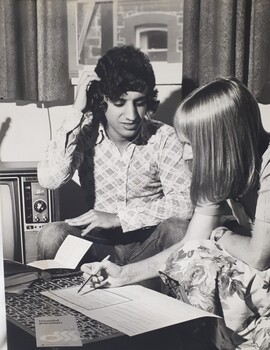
95	219
83	86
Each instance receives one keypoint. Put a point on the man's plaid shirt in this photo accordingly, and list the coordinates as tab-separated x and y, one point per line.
144	185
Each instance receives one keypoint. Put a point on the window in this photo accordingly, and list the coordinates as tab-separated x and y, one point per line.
155	27
154	42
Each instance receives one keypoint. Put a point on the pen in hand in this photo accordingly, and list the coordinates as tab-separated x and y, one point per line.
92	275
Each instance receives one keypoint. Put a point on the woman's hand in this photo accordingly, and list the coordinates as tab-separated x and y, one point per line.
95	219
107	274
83	86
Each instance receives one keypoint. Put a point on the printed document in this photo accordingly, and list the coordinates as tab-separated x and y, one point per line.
68	255
54	331
130	309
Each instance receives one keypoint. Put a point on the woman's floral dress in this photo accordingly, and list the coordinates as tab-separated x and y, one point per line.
214	281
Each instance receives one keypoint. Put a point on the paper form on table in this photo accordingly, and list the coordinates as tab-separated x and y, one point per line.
130	309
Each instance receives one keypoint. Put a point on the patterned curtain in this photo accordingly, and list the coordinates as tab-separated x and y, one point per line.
34	50
225	38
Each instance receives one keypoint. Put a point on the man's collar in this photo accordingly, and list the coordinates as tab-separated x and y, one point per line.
148	129
101	134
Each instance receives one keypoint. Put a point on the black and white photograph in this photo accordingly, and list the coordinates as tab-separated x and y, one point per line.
135	174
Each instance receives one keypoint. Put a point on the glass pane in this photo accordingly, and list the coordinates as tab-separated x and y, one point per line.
120	22
157	39
8	218
95	31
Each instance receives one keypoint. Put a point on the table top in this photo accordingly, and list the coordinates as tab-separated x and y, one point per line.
21	309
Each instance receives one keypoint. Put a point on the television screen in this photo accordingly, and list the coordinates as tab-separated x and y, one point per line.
10	219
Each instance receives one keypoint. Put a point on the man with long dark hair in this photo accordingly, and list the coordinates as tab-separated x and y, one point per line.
130	166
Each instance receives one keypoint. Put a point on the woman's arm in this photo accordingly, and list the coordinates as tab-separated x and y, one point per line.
254	250
112	275
200	227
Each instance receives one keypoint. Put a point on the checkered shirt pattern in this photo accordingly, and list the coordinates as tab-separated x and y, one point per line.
145	184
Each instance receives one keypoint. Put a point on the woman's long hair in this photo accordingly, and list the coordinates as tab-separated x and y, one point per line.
222	123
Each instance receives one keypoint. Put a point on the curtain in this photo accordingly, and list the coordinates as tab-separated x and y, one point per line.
34	50
227	38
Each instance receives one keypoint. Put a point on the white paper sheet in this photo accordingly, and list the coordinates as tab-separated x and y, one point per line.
91	300
68	255
130	309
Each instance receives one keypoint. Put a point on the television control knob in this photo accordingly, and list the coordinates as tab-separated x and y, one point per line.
44	218
40	206
37	219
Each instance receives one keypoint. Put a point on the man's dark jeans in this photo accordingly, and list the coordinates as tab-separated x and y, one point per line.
123	248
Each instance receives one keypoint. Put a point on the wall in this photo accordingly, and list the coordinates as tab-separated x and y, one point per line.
25	128
24	131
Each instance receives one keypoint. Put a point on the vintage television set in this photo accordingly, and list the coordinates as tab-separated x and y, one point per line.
24	209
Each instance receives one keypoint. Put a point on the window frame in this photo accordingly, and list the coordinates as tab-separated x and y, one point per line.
145	29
